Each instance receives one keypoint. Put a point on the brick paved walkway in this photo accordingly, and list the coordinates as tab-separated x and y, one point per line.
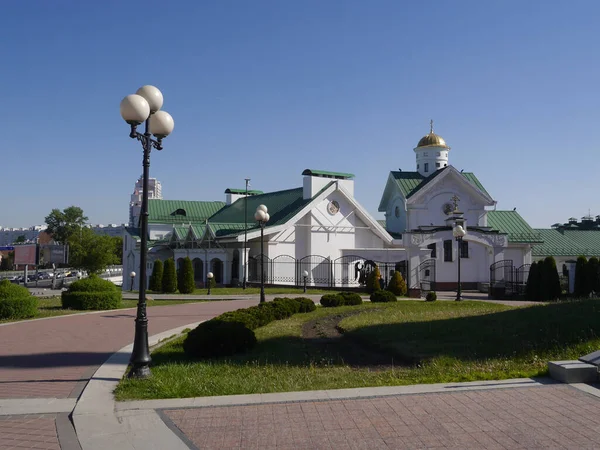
554	416
54	357
29	431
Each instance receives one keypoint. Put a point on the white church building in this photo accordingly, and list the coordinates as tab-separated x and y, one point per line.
321	229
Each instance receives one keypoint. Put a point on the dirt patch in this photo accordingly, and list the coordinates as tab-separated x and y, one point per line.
324	334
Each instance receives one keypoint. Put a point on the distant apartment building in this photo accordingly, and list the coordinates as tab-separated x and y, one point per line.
111	229
135	204
10	235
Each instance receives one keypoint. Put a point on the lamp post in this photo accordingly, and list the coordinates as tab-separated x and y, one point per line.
262	217
459	233
132	275
305	274
209	276
144	106
245	231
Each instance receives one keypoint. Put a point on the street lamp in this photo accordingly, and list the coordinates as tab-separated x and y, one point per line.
262	217
209	276
305	274
144	106
459	233
132	275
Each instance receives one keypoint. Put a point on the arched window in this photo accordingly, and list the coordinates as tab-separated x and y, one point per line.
180	212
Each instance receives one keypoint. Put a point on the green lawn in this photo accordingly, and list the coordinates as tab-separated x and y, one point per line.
50	307
423	343
255	290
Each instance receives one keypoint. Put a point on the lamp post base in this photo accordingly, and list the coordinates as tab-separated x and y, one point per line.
139	372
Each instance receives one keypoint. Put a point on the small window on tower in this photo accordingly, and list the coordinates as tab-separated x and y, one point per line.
437	164
445	165
426	167
425	154
417	167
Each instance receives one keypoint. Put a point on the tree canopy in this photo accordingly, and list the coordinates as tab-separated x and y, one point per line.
61	224
90	251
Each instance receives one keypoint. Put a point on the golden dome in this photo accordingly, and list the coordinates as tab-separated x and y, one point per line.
432	140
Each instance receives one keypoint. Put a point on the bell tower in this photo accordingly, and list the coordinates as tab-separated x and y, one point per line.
431	153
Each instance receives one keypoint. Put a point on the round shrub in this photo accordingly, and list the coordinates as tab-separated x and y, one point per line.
218	338
92	293
383	297
247	319
16	302
291	304
279	310
306	304
332	300
351	298
431	296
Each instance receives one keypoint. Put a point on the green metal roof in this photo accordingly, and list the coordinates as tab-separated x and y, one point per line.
282	206
181	211
242	191
511	223
324	173
568	243
412	182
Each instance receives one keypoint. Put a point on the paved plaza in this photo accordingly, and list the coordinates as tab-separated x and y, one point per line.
57	371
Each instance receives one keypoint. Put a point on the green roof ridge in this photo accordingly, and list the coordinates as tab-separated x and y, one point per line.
327	174
242	191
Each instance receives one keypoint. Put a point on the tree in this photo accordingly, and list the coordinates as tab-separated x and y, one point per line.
580	277
550	280
7	261
20	239
532	289
187	284
169	280
592	279
89	251
61	224
397	285
118	249
157	276
373	283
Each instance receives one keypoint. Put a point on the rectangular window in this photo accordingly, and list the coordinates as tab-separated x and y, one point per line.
417	167
432	247
426	167
425	154
437	164
464	249
448	250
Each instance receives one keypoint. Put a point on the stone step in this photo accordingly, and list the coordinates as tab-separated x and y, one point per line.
573	371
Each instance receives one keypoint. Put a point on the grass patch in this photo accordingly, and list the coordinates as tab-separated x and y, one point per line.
426	343
51	307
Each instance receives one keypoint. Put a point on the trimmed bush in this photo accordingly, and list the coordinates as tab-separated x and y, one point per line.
218	338
373	283
580	277
532	290
289	303
16	302
431	297
383	297
187	284
92	293
351	298
155	284
332	300
592	277
306	304
550	281
169	280
397	285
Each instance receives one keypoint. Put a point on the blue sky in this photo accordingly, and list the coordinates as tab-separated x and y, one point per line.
265	89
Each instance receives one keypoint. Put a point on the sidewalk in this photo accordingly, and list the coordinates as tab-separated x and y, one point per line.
46	364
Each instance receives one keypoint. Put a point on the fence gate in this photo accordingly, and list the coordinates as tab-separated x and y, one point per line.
501	278
318	268
284	270
255	264
520	279
427	275
347	271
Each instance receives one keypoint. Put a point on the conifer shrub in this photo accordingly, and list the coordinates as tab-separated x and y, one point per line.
92	293
397	285
550	280
155	283
216	338
373	283
592	276
383	297
187	284
16	302
431	297
532	289
351	298
169	279
331	300
580	277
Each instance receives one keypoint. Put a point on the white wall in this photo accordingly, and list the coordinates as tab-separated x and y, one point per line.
393	223
158	231
431	155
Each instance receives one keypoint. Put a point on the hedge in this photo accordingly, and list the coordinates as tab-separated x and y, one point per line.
341	299
16	302
231	332
383	297
92	293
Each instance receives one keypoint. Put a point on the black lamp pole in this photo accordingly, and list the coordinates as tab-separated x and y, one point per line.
262	262
458	290
305	283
